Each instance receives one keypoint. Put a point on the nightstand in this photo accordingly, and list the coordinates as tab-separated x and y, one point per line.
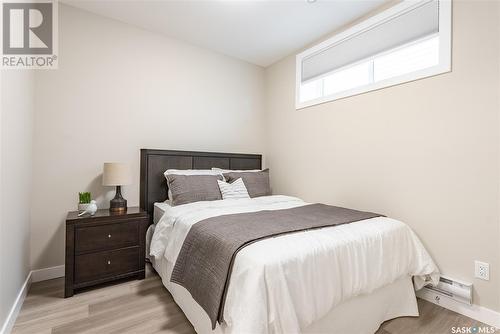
105	247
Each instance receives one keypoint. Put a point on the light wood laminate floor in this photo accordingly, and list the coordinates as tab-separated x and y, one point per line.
146	307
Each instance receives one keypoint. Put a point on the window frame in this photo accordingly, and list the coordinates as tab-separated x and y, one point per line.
444	65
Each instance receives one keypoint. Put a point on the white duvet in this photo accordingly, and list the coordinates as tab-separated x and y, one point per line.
284	284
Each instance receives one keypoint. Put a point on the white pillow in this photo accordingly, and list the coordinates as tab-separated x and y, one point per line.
220	170
235	190
192	172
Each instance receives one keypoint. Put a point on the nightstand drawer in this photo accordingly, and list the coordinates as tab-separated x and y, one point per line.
90	267
110	236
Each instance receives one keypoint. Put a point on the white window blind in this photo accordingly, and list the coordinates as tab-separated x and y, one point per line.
406	42
401	29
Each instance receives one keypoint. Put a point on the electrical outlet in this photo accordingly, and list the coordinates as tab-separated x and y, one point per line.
482	270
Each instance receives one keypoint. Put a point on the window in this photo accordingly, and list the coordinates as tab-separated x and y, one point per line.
409	41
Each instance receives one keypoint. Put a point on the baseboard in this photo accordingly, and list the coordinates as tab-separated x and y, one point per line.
33	276
44	274
16	307
476	312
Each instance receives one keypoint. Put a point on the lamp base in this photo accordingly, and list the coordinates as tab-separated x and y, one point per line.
118	204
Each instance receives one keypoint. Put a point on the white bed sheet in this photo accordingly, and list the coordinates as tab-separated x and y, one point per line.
288	283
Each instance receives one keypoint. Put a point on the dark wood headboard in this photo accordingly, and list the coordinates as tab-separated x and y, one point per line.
155	162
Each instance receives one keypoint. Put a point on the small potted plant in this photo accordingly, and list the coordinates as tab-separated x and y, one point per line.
84	201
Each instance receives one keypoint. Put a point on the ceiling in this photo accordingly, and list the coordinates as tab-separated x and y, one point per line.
259	32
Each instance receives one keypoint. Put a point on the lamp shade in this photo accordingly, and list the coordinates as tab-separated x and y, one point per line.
116	174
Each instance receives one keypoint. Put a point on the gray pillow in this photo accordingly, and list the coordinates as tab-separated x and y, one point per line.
257	183
193	188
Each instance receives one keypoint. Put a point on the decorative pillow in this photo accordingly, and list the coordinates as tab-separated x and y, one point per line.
193	188
190	172
257	183
233	190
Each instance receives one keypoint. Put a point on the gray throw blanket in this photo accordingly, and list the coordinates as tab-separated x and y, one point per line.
206	258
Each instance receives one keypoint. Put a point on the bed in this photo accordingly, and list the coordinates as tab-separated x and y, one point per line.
343	279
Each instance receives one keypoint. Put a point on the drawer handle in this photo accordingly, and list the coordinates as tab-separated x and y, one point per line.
109	236
109	262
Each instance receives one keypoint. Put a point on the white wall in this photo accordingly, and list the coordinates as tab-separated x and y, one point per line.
425	152
119	89
16	133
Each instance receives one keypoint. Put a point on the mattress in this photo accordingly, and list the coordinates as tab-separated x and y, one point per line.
159	211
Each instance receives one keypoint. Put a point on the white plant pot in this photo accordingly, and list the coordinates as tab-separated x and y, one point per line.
83	207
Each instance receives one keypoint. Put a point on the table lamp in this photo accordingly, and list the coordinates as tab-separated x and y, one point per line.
116	174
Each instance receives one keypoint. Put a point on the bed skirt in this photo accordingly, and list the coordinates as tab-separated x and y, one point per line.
359	315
